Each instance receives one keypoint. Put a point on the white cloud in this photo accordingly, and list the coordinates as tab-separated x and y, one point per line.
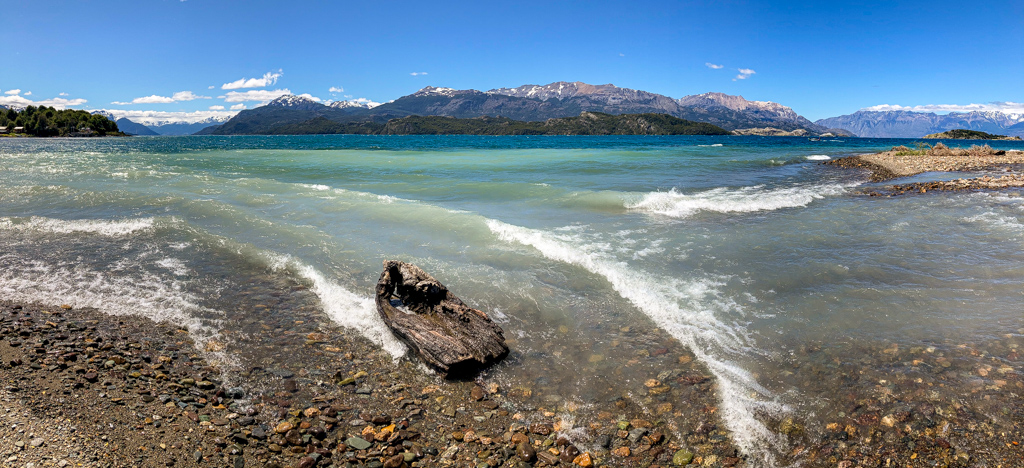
713	66
154	99
28	93
187	96
744	74
210	87
63	94
179	96
145	117
12	92
418	73
216	107
337	89
310	97
21	102
622	55
262	95
238	107
269	78
1005	107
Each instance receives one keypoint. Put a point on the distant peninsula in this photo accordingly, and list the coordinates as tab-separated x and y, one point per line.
587	123
45	121
963	134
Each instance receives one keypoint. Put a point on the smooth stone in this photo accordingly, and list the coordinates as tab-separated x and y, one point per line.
357	443
682	457
526	452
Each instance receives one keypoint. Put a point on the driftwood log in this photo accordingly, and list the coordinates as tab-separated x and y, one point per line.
448	335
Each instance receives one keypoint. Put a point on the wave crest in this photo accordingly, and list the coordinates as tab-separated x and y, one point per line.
676	204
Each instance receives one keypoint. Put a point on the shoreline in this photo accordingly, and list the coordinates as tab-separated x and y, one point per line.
82	387
894	164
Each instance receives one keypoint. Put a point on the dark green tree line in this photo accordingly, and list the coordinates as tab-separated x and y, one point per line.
45	121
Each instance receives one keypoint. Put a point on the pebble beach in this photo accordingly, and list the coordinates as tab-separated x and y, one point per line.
168	304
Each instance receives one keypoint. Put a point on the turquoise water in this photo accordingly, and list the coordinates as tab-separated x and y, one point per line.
744	249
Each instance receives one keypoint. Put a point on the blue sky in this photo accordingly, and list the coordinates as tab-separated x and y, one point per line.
821	58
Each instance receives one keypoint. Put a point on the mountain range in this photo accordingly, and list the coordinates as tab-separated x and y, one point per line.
907	124
538	103
152	126
528	103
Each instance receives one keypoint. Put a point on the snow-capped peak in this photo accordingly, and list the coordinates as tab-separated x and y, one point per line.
737	103
300	101
447	92
361	103
561	90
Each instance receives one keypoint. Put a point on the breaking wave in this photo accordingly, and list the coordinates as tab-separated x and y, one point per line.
693	312
676	204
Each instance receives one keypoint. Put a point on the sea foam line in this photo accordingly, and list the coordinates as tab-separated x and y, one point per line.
111	228
78	285
344	307
686	310
676	204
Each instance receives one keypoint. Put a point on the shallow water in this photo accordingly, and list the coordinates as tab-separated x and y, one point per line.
590	252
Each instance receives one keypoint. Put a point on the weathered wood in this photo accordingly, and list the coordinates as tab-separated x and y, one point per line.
448	335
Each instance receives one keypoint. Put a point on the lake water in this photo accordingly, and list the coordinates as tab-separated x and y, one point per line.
797	294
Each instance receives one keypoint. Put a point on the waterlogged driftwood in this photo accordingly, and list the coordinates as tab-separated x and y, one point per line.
448	335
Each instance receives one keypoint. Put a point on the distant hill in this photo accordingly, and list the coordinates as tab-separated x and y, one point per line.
907	124
162	125
962	134
529	103
587	123
181	128
285	110
132	128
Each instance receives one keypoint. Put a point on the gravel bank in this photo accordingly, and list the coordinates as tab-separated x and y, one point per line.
890	164
82	388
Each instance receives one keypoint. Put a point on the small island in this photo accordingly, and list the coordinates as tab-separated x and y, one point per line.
45	121
963	134
902	161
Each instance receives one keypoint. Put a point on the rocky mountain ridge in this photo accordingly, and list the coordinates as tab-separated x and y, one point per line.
529	103
909	124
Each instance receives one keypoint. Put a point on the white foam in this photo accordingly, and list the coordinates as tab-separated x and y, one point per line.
997	220
175	265
345	307
818	157
711	146
688	310
724	200
76	284
112	228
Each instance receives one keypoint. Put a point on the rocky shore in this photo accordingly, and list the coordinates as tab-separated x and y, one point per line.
82	388
903	162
